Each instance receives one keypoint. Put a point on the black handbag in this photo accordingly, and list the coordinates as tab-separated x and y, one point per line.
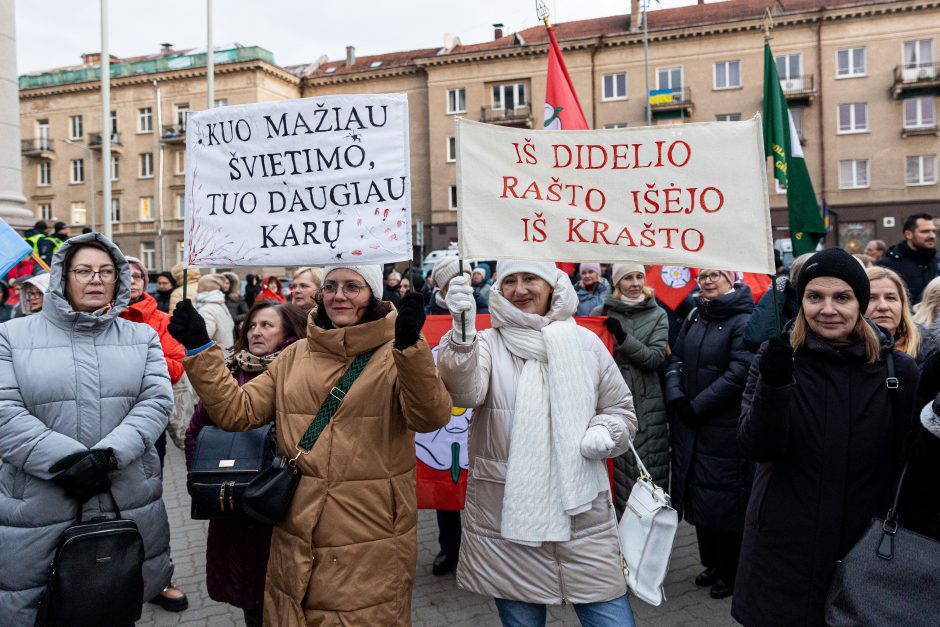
890	577
268	497
223	465
96	577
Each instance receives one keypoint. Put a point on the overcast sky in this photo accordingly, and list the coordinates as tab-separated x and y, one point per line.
53	33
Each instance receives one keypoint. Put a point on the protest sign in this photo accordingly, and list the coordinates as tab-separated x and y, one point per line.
692	195
301	182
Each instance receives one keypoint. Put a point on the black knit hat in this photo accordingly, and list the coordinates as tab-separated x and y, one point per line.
839	264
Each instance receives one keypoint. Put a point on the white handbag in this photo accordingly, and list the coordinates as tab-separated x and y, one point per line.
646	531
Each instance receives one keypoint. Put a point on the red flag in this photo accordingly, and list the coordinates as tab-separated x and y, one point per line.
671	283
759	284
562	109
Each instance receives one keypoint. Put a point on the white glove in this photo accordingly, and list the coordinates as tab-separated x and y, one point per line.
460	300
597	443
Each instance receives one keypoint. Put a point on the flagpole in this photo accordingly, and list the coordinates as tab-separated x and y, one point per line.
646	65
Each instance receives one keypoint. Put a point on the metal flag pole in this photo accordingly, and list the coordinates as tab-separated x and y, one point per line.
105	124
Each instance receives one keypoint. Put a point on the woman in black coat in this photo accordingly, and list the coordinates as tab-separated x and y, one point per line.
705	379
827	435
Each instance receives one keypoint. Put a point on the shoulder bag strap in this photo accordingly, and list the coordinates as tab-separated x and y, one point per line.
332	402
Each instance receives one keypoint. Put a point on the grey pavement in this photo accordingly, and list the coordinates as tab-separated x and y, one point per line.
437	602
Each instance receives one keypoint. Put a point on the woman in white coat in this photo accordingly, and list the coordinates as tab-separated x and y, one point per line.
210	303
551	406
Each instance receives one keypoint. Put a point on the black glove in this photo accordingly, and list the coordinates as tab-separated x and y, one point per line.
410	319
85	474
682	409
776	362
616	329
187	327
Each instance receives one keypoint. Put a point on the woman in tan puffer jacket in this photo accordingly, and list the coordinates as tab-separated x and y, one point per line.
550	408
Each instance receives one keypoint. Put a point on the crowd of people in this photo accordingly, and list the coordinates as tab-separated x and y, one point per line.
778	427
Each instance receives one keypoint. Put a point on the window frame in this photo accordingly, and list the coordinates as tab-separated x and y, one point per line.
78	205
115	167
855	185
148	255
179	205
182	115
918	62
617	125
921	182
452	200
731	117
143	161
145	114
715	86
517	88
43	213
670	69
450	155
116	208
788	55
143	201
853	72
44	167
73	179
457	91
920	110
76	126
605	97
179	159
853	128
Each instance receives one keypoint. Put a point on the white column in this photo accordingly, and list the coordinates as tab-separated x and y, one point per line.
12	202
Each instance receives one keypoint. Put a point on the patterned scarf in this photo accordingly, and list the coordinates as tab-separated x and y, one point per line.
243	360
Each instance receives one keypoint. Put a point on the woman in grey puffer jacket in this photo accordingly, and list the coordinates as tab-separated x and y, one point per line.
79	387
641	333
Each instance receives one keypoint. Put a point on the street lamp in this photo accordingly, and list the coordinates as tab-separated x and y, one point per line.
91	168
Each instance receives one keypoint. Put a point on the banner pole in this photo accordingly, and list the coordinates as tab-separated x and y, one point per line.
185	277
773	286
38	259
463	314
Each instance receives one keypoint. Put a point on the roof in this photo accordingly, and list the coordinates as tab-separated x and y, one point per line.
367	63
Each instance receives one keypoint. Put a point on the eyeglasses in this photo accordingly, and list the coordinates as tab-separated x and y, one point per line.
33	294
136	276
714	277
350	290
86	275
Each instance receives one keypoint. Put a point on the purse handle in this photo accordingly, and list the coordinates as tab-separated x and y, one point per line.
645	475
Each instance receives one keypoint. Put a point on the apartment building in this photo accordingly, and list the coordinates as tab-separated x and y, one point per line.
861	78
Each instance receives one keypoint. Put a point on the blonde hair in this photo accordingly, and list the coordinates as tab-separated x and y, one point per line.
315	273
797	265
862	330
647	292
865	260
925	312
907	337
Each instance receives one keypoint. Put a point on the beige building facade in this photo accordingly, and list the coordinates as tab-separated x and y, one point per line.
861	78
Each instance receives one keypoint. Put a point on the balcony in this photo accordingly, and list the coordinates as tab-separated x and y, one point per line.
914	131
38	148
916	79
94	142
520	116
799	89
173	134
681	104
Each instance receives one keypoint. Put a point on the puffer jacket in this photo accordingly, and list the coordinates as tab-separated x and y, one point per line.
346	551
484	375
219	323
589	299
192	285
70	382
711	479
145	311
639	358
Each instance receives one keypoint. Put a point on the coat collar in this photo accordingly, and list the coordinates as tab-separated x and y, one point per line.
350	341
142	310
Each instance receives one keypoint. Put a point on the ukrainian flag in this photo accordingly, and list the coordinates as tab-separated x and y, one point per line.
660	96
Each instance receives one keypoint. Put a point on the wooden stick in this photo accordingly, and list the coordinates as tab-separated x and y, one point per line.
38	259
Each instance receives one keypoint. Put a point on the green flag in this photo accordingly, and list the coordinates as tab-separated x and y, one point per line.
783	144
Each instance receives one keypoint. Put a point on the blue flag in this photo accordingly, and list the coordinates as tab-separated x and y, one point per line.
12	248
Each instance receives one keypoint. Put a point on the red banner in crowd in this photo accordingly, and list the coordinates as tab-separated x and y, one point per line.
442	454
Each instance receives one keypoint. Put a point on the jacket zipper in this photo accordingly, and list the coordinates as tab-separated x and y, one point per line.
561	577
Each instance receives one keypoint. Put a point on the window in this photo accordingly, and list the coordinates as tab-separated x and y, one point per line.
77	174
115	168
76	127
45	173
451	149
796	114
920	113
182	114
728	117
508	96
457	100
146	165
918	54
42	134
179	202
146	208
921	170
853	117
148	254
853	174
145	120
850	62
179	162
779	187
669	78
78	212
220	102
45	211
616	125
114	124
790	67
727	74
180	251
615	86
375	64
116	209
452	197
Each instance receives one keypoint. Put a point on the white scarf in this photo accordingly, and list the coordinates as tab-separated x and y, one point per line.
547	479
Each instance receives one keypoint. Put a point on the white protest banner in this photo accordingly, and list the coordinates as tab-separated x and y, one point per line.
299	182
691	195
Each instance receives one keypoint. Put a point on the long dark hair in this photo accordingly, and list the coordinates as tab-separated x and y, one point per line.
293	321
375	310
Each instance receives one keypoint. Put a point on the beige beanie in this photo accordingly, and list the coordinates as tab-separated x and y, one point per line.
211	282
372	275
621	270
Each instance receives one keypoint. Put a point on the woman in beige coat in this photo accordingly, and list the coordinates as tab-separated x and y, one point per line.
345	552
550	407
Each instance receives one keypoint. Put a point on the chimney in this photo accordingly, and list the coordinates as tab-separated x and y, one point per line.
635	16
498	30
91	58
166	48
350	55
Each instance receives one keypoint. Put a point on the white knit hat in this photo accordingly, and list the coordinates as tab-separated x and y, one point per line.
372	275
542	269
444	270
621	270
